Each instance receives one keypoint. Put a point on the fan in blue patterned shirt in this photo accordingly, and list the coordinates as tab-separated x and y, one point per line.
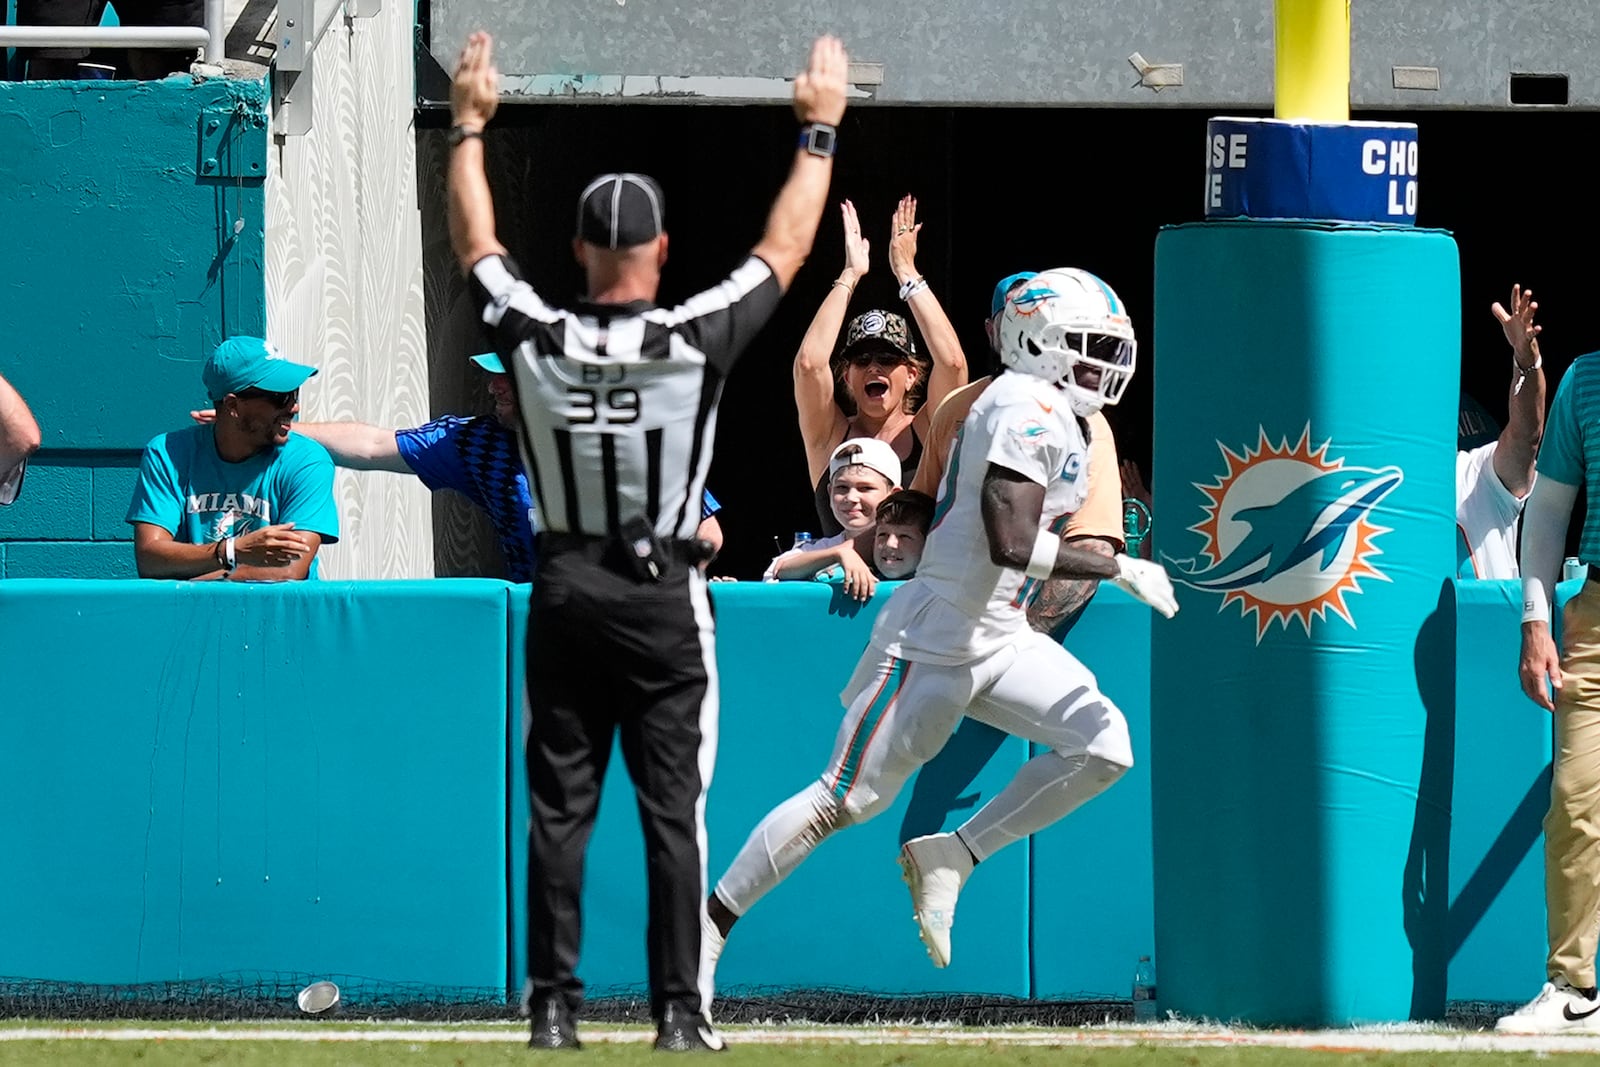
476	455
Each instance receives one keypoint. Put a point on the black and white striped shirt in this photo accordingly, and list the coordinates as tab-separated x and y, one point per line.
618	402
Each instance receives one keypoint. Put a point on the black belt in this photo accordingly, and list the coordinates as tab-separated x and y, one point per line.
601	549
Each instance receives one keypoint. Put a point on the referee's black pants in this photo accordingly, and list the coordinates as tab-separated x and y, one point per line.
609	653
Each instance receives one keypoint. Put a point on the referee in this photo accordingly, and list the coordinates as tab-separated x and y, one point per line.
618	403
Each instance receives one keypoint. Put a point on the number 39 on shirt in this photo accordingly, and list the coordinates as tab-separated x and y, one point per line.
602	398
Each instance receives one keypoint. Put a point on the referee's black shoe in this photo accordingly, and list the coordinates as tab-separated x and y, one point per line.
552	1024
681	1030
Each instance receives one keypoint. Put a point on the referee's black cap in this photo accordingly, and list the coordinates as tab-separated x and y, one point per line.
620	210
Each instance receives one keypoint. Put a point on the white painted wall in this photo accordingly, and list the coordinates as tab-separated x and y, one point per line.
344	277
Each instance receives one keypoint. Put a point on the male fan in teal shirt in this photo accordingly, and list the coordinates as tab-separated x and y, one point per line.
243	498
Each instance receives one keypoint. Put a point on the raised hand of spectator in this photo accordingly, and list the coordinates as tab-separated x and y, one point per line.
856	247
819	90
270	546
1521	332
903	240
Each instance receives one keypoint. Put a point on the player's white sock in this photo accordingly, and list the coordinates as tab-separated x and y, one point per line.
778	845
1045	789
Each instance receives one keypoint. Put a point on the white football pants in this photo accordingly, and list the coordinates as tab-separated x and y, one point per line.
899	715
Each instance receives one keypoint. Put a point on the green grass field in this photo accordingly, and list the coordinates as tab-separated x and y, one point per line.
300	1054
352	1043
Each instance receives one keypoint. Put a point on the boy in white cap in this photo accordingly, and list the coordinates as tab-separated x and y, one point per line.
861	472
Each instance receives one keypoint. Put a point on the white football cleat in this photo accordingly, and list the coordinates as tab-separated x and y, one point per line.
935	867
1559	1008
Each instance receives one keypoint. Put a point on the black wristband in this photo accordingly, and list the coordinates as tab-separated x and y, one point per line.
459	133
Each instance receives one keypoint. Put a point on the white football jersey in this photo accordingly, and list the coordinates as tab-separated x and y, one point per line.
960	605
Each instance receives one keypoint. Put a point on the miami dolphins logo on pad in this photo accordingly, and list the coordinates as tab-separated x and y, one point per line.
1289	533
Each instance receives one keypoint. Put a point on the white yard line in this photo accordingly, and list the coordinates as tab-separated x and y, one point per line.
1328	1040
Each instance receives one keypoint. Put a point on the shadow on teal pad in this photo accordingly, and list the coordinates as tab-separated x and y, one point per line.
1425	880
846	606
943	785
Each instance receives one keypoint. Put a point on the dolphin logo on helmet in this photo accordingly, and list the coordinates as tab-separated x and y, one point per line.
1068	327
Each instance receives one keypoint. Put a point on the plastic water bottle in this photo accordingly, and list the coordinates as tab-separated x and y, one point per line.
1572	567
802	541
1144	992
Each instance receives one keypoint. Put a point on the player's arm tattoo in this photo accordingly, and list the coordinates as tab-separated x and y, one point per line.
1060	600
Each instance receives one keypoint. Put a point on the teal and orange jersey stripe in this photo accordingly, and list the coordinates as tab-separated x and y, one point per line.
894	680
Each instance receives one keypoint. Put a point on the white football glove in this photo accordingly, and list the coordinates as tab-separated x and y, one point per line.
1147	581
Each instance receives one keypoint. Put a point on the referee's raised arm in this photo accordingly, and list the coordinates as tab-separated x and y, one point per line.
819	98
474	96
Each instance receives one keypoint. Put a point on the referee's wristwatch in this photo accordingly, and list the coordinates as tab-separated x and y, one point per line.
818	138
459	133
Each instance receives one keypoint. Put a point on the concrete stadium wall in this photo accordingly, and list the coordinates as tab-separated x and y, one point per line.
209	779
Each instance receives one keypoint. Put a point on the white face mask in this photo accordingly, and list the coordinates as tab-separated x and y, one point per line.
1063	320
1098	367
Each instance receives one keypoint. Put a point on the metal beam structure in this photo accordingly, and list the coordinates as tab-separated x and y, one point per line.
1459	54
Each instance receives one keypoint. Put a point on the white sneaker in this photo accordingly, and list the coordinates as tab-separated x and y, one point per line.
1557	1009
935	867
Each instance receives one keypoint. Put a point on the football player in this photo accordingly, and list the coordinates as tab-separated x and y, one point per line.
955	639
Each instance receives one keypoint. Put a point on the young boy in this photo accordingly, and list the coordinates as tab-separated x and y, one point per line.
861	473
902	527
897	537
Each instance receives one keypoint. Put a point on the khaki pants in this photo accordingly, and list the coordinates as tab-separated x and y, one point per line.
1572	827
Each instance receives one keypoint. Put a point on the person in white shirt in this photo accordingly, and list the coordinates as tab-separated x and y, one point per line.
1493	480
19	439
954	640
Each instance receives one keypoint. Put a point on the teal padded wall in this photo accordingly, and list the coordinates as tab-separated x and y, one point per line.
1494	932
1091	879
207	778
155	736
1304	465
122	270
843	920
848	895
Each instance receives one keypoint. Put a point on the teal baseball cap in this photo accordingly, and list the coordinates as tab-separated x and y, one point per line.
1004	286
241	363
489	362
